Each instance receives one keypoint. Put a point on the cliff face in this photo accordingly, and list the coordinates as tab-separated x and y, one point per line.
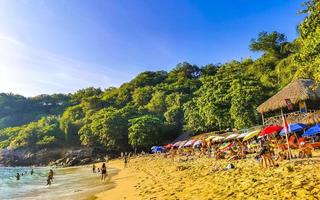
58	157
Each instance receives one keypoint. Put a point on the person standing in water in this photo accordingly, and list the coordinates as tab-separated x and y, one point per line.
50	177
103	172
18	176
31	172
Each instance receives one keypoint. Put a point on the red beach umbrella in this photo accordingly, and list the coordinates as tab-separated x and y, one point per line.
270	130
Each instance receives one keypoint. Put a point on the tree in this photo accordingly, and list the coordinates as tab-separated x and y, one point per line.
141	96
157	103
145	131
246	94
85	93
71	122
193	119
107	127
273	43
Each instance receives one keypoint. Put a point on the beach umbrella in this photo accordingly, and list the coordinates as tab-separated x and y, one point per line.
270	130
168	146
189	143
217	138
158	149
293	128
312	131
197	144
177	144
182	143
232	136
242	135
225	146
251	135
209	138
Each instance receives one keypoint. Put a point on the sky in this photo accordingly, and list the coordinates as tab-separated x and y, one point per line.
60	46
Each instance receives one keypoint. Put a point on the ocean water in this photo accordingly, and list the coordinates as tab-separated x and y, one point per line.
68	183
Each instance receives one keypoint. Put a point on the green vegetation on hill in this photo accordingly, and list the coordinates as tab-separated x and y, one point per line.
155	107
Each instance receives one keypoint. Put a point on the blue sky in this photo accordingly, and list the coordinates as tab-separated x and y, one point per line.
54	46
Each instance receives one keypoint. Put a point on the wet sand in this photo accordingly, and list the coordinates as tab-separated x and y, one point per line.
155	177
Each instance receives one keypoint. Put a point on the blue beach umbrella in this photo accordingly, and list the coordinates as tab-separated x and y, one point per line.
157	149
312	131
294	127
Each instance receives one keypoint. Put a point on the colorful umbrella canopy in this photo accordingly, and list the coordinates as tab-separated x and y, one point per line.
251	135
182	143
189	143
312	131
242	135
197	143
217	138
168	146
225	146
177	144
270	130
232	136
293	128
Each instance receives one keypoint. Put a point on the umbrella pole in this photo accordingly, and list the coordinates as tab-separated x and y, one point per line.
289	152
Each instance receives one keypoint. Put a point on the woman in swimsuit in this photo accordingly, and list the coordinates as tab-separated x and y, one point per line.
103	172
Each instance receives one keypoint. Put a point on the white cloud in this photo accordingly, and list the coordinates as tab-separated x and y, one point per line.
28	71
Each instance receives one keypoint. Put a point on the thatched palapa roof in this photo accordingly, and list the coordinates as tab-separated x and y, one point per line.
297	90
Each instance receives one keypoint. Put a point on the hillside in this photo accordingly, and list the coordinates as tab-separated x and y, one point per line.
155	107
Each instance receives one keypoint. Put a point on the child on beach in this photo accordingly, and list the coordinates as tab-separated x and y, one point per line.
104	172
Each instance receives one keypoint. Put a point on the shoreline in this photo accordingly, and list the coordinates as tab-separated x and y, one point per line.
121	184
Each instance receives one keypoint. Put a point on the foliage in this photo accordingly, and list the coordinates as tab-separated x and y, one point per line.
145	131
155	107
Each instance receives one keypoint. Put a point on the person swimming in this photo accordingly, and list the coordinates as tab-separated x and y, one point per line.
50	177
18	176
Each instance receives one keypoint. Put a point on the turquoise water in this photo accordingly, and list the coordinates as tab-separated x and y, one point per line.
10	188
68	183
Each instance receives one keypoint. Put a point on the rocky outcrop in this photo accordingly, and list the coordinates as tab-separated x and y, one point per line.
78	157
58	157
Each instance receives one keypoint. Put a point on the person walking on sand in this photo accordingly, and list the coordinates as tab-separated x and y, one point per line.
50	177
18	176
103	172
125	160
94	168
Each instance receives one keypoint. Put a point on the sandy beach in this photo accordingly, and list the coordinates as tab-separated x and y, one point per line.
155	177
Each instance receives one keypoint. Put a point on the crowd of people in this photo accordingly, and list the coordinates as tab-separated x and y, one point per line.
49	177
267	151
